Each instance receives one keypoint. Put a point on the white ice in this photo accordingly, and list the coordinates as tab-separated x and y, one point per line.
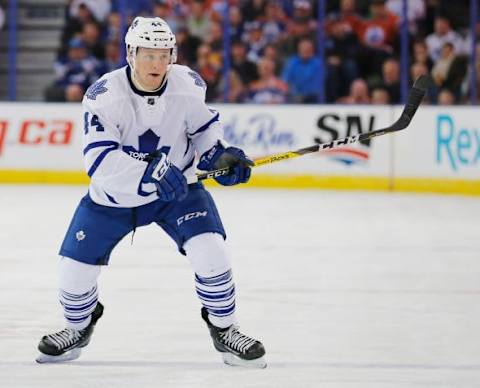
345	289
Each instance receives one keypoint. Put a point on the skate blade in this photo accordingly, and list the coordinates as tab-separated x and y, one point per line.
231	359
68	356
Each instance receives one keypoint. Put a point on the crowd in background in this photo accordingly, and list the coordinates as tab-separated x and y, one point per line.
273	48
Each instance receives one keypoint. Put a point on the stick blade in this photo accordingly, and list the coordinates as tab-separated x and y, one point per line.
423	83
414	100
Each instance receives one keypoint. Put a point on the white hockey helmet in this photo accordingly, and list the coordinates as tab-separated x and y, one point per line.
150	33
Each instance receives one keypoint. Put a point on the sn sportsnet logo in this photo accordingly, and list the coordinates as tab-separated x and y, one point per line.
191	216
333	127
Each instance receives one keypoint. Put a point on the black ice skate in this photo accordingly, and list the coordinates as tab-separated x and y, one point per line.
66	345
237	349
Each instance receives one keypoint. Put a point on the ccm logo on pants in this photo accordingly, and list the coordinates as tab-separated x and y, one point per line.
190	216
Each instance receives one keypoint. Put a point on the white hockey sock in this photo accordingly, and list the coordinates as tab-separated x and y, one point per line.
213	277
78	291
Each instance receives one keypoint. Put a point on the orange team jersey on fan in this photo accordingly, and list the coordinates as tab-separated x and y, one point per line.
378	32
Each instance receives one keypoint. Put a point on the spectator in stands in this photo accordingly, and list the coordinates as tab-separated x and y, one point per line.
246	70
417	69
198	21
391	79
236	89
381	30
74	26
272	29
253	10
380	96
347	16
302	15
73	74
362	6
214	37
2	18
268	89
209	70
442	34
420	53
163	9
446	97
358	93
133	8
187	46
112	56
378	35
255	40
341	56
450	69
237	26
217	9
442	65
416	12
303	25
113	27
214	40
91	36
274	25
302	74
100	9
271	52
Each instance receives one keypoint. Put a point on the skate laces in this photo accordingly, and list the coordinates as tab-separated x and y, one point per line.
65	338
236	340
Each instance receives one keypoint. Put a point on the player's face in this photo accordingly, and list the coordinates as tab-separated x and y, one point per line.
151	66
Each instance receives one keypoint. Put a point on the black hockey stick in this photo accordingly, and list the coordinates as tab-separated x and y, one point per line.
415	97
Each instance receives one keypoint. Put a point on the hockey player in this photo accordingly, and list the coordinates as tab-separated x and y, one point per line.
143	125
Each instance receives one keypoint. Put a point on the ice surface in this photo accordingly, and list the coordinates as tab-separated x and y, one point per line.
345	290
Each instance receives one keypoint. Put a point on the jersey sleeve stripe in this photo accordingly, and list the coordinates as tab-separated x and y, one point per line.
205	126
103	143
99	159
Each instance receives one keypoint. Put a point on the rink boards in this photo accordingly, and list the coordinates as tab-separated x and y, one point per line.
438	152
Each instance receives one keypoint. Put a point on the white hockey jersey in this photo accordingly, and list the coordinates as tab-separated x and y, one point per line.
123	125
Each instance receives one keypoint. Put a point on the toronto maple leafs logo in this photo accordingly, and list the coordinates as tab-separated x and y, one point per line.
80	235
148	144
198	80
96	89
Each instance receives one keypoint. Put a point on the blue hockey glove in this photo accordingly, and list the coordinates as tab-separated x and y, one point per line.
220	156
170	182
